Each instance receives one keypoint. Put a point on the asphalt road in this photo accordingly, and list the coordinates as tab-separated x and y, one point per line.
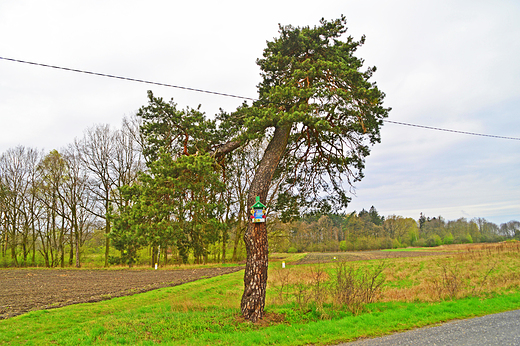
497	329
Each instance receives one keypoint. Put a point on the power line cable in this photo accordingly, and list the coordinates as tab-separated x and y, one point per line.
448	130
129	79
234	96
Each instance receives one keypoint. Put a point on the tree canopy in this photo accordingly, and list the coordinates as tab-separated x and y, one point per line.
314	92
319	112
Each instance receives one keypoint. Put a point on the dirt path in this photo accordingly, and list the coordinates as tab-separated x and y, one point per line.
23	290
321	257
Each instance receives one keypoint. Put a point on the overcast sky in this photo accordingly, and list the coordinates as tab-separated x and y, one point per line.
448	64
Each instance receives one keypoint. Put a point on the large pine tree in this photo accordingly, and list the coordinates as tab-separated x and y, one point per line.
320	112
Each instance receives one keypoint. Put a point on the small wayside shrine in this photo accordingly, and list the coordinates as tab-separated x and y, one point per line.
258	211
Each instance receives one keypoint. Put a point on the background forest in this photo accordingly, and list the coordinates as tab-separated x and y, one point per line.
77	205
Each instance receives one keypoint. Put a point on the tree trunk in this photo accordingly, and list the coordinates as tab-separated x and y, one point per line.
77	238
107	230
225	237
13	254
78	263
33	243
154	255
71	252
166	255
61	246
255	237
238	235
25	249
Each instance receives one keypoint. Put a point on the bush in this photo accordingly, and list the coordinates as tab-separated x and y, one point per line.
463	239
361	243
373	244
6	262
346	245
354	288
332	245
292	249
114	260
448	239
386	243
449	283
419	242
434	240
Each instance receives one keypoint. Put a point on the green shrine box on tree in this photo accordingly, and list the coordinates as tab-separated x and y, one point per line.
258	211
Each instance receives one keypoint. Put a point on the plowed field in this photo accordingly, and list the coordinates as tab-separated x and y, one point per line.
23	290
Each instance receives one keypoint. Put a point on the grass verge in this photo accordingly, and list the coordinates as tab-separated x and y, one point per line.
188	315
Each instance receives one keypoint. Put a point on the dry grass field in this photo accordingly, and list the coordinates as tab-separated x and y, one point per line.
445	272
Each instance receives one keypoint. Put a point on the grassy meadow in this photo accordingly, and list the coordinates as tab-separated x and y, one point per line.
315	303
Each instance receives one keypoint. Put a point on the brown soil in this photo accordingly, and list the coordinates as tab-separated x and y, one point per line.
23	290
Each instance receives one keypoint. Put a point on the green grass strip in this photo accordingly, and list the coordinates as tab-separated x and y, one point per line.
381	319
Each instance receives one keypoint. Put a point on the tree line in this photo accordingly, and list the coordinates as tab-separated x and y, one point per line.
367	230
50	203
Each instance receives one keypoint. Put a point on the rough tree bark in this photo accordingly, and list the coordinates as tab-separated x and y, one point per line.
255	237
